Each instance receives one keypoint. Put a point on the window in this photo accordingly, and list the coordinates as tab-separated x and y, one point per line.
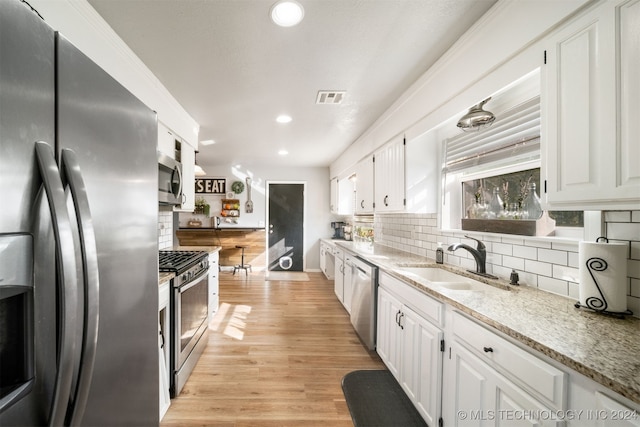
512	189
505	157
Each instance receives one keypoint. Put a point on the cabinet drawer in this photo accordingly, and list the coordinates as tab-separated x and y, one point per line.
521	366
429	308
338	253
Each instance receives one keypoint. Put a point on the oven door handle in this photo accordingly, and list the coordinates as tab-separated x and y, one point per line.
194	281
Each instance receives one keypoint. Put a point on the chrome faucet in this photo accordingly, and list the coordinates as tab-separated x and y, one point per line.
480	254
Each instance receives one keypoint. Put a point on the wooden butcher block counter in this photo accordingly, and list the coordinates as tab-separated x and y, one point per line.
227	239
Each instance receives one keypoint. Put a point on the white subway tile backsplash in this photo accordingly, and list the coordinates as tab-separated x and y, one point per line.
513	240
623	231
635	288
561	246
553	257
574	290
540	268
566	273
525	252
573	259
502	248
512	262
633	268
633	304
617	216
550	265
555	286
538	244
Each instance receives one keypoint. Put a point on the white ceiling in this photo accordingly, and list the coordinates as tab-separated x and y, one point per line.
234	71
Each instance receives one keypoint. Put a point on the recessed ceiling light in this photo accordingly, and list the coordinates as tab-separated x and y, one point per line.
287	13
283	118
283	152
207	142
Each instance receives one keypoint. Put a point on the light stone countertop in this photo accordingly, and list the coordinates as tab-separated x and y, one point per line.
603	348
165	276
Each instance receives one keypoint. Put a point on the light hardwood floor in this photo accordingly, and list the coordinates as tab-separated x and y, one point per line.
276	356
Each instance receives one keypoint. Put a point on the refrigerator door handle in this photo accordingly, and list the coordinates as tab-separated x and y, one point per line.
73	177
67	289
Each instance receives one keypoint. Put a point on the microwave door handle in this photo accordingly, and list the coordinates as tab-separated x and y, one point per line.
73	176
179	172
67	289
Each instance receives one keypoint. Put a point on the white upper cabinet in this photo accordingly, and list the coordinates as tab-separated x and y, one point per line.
591	110
389	177
334	194
342	190
346	189
166	141
364	186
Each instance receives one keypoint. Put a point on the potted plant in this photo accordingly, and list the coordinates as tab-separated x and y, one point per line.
202	207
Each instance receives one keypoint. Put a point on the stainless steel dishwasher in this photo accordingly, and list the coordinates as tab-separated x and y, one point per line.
363	304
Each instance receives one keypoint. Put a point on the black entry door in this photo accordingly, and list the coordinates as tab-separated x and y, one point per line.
286	228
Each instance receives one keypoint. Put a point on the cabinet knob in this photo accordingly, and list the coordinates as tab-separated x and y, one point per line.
488	350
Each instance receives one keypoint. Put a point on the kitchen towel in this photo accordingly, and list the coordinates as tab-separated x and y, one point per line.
603	276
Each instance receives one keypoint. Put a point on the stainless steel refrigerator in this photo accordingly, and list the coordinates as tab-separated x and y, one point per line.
78	236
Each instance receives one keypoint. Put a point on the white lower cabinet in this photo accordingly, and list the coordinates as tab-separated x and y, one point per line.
214	283
343	277
338	279
327	263
478	395
412	349
459	371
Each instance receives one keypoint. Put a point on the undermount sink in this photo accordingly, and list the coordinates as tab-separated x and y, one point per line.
445	279
434	274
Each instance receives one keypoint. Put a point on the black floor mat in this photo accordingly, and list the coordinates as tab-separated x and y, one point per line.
375	399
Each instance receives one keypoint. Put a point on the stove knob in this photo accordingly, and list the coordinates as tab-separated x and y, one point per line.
184	277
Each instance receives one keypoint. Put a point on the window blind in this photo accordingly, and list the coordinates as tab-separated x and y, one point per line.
515	135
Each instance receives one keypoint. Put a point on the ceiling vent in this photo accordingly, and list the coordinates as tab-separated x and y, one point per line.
330	97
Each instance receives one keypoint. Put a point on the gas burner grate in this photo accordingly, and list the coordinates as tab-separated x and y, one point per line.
178	261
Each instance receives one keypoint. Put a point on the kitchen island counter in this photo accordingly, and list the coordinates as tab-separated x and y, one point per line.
603	348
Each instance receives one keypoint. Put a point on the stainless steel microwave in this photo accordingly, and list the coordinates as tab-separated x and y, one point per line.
169	180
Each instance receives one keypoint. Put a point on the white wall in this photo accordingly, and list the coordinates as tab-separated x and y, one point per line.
79	23
317	216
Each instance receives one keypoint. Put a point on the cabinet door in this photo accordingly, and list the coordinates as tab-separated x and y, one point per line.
338	280
590	110
480	396
214	297
346	195
364	186
166	141
421	366
389	177
334	195
388	331
348	283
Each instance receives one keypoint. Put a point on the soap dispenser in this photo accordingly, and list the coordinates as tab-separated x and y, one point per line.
439	254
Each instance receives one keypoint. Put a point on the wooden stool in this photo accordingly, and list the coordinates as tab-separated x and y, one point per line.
242	265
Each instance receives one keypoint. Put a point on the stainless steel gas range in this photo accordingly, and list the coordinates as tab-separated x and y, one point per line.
189	311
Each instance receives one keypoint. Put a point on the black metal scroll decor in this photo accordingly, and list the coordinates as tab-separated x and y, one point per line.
594	303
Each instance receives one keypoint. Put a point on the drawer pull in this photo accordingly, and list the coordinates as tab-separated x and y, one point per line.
488	350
